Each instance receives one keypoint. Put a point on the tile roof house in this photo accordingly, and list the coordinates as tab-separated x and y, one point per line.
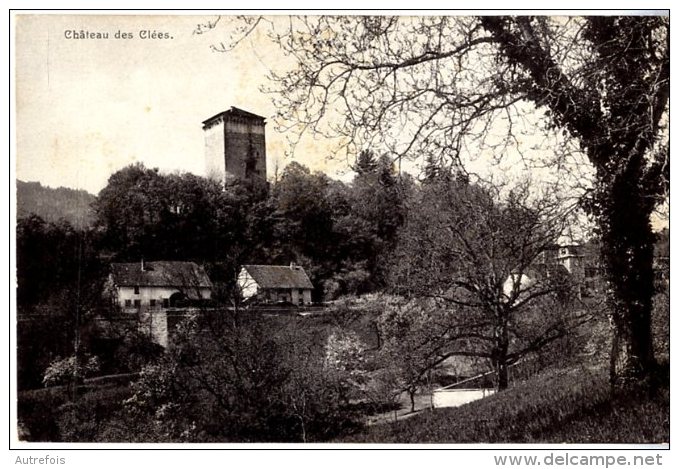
149	289
275	284
156	284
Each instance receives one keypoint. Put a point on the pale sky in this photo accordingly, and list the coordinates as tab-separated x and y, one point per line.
88	107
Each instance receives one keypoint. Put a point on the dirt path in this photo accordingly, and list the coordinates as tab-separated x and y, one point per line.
422	402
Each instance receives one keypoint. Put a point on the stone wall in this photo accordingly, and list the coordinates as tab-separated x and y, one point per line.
159	332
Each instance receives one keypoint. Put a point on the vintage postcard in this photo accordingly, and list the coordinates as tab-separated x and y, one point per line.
442	228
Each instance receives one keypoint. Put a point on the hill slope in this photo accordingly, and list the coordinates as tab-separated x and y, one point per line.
573	405
55	204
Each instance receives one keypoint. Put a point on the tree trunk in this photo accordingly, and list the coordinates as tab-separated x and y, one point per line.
378	335
500	353
627	253
502	376
303	428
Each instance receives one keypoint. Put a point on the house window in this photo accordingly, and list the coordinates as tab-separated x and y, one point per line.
166	302
153	303
137	303
128	303
136	290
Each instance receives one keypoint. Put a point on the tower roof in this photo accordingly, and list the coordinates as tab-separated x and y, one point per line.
233	112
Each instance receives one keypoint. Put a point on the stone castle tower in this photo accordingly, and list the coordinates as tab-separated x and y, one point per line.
235	147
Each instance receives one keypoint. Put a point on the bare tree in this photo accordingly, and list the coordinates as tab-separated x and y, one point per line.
459	86
490	270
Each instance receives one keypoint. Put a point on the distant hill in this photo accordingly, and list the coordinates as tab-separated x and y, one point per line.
55	204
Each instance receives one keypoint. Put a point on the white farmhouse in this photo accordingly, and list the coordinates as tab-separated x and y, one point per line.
158	284
149	289
275	284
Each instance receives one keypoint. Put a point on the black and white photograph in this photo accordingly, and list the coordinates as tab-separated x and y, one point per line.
342	230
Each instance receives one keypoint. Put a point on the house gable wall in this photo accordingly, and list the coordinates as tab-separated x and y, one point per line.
248	286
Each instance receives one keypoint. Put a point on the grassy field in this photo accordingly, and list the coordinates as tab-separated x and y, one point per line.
572	405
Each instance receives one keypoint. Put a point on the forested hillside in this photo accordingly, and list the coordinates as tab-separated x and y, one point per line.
55	204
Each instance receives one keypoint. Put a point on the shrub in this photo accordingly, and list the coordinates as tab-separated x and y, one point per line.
37	413
61	371
47	415
345	357
661	324
84	419
248	380
383	389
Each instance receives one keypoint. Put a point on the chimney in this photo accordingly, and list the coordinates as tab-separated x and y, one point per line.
142	264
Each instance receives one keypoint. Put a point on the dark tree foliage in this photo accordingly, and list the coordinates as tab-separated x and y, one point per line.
303	224
143	213
129	210
58	291
366	162
338	232
379	206
432	170
51	256
304	213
